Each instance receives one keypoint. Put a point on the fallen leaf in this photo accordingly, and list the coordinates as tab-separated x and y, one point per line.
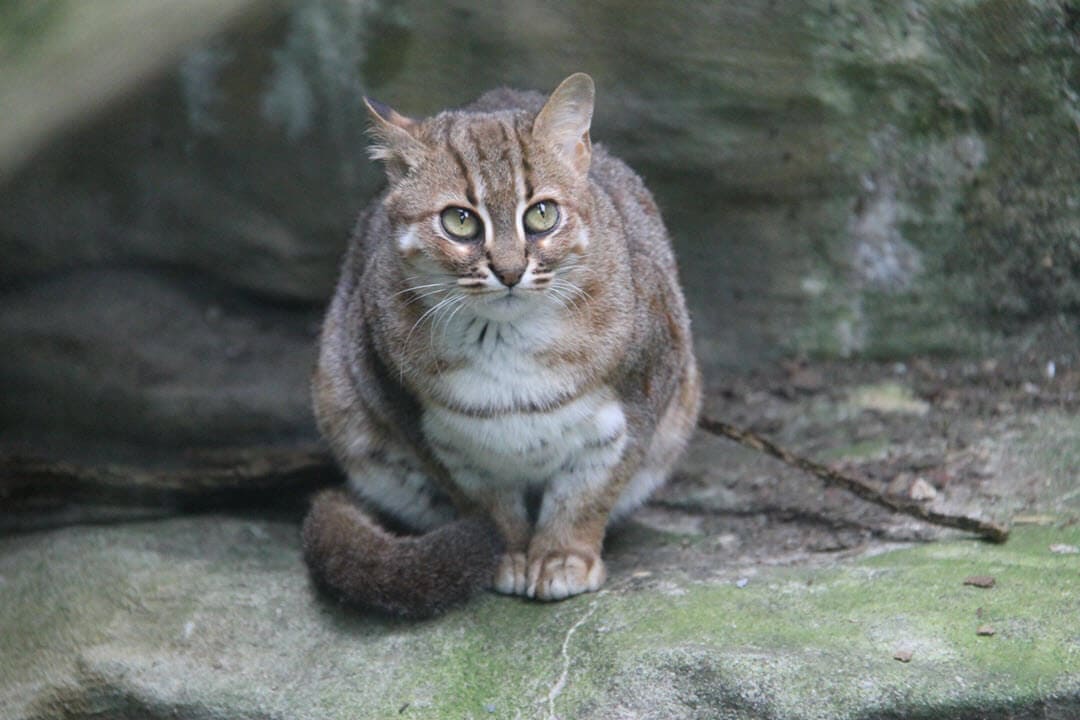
921	490
982	581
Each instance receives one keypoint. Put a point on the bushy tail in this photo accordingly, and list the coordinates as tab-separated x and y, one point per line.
353	558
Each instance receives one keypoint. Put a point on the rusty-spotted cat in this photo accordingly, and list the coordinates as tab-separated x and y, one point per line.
506	365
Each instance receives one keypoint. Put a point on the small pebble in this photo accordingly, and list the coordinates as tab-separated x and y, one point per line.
985	630
742	582
982	581
903	656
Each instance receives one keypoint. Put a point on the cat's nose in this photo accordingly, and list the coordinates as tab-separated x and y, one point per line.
509	276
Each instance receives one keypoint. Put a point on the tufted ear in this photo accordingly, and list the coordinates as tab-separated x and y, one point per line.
563	123
395	141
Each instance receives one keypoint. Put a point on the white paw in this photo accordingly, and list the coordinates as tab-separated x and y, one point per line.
558	575
510	574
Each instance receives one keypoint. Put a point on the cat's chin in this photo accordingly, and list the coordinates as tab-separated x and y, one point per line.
504	307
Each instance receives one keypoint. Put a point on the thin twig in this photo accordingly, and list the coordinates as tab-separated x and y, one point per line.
989	530
259	477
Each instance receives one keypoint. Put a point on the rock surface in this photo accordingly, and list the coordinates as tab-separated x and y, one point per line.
63	61
742	591
213	617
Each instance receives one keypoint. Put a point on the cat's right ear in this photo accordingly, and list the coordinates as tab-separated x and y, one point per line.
395	141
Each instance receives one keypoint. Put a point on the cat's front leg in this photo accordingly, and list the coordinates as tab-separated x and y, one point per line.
564	556
507	510
564	552
564	559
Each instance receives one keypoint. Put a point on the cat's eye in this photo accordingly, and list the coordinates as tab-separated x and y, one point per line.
460	223
541	217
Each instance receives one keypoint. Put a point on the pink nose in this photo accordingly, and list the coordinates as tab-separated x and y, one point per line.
510	277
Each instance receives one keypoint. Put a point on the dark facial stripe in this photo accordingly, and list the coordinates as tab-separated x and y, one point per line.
526	166
478	145
463	168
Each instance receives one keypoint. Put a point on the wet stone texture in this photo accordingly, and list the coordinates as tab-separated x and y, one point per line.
877	213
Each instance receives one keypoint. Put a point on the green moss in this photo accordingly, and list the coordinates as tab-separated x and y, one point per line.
874	447
804	643
969	113
822	635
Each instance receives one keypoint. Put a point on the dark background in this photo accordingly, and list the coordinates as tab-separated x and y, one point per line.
842	179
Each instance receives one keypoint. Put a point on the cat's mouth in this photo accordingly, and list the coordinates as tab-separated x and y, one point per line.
505	295
505	304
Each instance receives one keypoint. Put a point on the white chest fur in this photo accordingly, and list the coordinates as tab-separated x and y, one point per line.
509	419
499	367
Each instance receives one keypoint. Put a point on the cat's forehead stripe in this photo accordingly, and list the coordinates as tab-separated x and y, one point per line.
492	154
526	166
463	167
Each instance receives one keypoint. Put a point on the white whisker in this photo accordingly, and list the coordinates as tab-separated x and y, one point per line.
414	288
427	294
447	316
569	293
433	309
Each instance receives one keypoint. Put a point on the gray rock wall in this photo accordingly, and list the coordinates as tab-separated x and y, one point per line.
841	177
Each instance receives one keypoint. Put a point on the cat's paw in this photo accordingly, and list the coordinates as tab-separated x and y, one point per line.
561	574
510	574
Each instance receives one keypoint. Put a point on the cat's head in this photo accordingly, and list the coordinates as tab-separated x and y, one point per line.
488	209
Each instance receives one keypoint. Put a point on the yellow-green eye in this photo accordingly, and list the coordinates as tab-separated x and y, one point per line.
462	224
541	217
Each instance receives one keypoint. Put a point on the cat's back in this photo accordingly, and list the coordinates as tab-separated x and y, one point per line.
643	227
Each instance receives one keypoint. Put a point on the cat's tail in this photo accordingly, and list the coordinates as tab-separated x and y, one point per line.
356	560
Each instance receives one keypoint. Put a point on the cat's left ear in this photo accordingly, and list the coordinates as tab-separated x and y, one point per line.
396	143
563	123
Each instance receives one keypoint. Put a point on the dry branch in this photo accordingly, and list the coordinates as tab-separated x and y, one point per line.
989	530
256	478
249	478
